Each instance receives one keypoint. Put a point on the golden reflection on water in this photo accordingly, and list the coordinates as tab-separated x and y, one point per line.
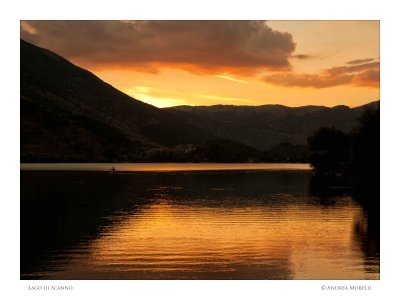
171	240
191	225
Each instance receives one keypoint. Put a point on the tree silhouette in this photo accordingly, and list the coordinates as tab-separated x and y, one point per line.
352	160
329	151
365	157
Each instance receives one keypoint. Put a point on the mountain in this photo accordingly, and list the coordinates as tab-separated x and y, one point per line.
266	126
69	114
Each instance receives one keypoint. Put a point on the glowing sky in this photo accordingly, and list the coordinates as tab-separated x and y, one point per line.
167	63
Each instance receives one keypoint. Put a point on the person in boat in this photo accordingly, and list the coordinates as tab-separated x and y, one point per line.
112	170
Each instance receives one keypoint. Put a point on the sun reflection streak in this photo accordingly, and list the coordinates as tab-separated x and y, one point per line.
168	239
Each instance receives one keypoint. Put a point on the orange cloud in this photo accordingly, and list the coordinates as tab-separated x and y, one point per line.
28	28
212	47
364	74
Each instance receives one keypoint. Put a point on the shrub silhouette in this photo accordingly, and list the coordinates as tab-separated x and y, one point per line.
329	151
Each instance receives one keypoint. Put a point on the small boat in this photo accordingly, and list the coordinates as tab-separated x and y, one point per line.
112	171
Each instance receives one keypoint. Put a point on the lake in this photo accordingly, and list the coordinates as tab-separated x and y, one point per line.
190	221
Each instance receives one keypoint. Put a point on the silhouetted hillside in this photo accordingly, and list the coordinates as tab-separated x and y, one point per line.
263	127
70	115
225	151
286	152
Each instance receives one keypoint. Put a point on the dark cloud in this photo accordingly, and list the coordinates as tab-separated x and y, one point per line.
360	61
302	56
198	46
366	74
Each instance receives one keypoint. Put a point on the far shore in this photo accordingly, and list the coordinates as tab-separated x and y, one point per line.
136	167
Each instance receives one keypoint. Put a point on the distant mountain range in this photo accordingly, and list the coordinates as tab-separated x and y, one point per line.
70	115
263	127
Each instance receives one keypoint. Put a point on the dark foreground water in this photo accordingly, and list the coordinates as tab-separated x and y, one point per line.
227	224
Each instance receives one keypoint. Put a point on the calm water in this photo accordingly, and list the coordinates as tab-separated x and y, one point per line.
226	224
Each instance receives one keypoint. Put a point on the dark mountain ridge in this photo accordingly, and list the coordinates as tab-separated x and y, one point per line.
67	113
263	127
70	115
58	82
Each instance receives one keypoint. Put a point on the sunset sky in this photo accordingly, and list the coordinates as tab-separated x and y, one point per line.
168	63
